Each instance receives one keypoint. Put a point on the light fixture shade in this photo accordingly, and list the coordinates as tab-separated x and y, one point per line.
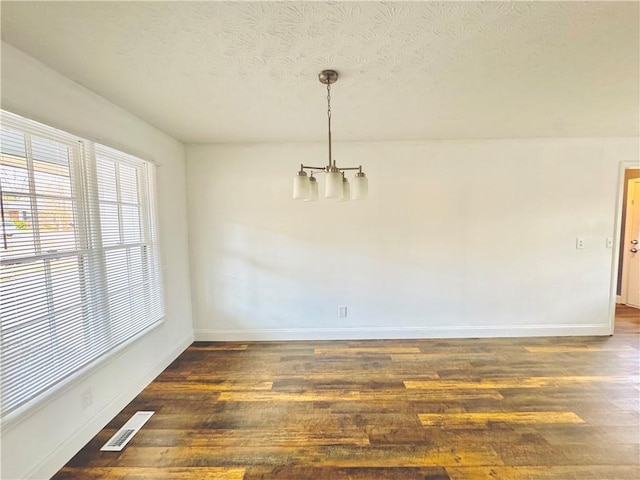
360	187
301	186
313	190
333	187
346	191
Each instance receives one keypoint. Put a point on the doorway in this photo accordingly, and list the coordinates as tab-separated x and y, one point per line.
629	271
626	264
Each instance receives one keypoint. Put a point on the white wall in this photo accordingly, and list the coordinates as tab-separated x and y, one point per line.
38	443
457	238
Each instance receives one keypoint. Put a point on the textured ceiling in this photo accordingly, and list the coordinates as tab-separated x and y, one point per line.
247	71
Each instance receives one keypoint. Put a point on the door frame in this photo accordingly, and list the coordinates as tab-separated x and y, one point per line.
615	254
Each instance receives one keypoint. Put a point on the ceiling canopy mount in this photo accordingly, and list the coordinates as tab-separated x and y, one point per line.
328	77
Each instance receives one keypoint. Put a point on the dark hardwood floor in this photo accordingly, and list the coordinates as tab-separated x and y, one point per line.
492	409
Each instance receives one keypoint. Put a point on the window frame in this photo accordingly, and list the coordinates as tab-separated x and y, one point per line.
92	274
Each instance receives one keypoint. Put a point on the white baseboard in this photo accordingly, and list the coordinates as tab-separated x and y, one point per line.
61	455
212	335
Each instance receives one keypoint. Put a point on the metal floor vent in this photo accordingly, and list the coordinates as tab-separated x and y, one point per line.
126	433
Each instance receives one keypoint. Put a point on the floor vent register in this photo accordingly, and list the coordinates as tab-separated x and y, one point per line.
126	433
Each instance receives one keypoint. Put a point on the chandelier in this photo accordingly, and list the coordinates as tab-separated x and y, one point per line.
305	187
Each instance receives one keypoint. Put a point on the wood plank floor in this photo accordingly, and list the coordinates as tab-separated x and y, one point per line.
476	409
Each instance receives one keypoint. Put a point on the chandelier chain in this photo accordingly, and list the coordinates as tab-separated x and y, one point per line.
329	119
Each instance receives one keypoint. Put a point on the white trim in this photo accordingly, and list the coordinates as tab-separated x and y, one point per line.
281	334
61	455
39	126
32	127
613	297
624	223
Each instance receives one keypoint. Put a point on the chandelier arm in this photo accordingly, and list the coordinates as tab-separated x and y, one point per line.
324	169
307	167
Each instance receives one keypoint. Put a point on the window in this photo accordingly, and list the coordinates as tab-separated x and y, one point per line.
79	261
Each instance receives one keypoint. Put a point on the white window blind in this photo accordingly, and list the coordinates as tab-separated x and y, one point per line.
79	265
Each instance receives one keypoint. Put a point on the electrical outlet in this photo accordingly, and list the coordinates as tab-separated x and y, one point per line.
342	311
580	243
87	399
